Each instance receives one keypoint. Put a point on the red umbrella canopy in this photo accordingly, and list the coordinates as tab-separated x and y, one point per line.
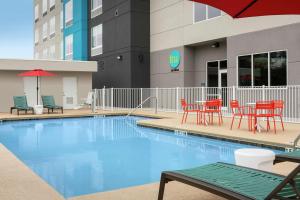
253	8
37	73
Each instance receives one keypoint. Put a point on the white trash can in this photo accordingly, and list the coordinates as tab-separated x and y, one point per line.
38	109
261	159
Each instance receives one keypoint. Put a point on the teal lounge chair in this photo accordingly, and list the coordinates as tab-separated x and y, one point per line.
293	156
49	103
20	104
236	182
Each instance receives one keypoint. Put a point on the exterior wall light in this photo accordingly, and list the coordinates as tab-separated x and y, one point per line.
120	57
215	45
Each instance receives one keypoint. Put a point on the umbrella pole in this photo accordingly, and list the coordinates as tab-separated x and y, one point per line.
37	90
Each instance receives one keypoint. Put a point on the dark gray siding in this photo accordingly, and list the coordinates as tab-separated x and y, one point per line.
128	35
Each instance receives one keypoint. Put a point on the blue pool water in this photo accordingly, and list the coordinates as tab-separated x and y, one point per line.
87	155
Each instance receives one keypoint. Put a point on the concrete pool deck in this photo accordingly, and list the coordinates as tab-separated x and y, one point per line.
17	181
171	121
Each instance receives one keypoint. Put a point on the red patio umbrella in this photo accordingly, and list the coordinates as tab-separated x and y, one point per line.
253	8
36	73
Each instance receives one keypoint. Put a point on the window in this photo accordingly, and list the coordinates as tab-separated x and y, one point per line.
52	52
45	53
96	8
51	4
36	36
260	69
269	69
69	13
45	30
36	12
96	4
61	19
69	47
45	6
278	68
203	12
96	42
213	74
52	26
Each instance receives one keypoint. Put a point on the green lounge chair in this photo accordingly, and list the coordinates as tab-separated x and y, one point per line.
49	103
20	104
293	156
236	182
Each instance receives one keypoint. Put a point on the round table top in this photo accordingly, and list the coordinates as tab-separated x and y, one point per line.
254	152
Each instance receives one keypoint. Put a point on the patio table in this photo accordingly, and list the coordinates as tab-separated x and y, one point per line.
201	102
258	126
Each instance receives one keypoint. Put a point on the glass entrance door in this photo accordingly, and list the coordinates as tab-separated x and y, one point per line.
223	86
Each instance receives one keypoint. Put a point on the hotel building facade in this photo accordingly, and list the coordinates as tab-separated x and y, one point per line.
171	43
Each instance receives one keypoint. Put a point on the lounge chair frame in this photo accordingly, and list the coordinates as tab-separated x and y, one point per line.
16	107
53	106
223	192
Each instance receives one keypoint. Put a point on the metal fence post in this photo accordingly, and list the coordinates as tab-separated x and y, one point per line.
202	94
264	92
94	101
177	100
156	94
141	93
233	93
112	98
103	98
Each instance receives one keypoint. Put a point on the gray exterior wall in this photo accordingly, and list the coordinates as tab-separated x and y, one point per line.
126	35
281	38
192	70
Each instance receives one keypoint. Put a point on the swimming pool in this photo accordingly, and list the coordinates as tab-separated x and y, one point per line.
80	156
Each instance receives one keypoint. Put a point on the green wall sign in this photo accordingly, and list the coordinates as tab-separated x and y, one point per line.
174	59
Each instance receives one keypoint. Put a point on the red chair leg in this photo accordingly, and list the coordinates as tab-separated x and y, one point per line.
182	119
186	116
232	122
274	124
240	121
282	125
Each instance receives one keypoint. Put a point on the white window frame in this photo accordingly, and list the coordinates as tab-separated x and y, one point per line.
45	6
36	36
51	3
97	26
96	8
206	14
69	9
219	70
269	69
52	26
36	12
45	30
67	52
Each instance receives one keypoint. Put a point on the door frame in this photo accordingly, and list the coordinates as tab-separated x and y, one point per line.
75	96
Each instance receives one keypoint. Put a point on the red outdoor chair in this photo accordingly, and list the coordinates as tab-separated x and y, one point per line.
240	111
189	108
264	109
278	106
211	107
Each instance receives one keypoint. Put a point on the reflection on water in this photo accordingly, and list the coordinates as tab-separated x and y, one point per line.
88	155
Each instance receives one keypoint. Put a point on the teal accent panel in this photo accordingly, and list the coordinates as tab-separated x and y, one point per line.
79	29
174	59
